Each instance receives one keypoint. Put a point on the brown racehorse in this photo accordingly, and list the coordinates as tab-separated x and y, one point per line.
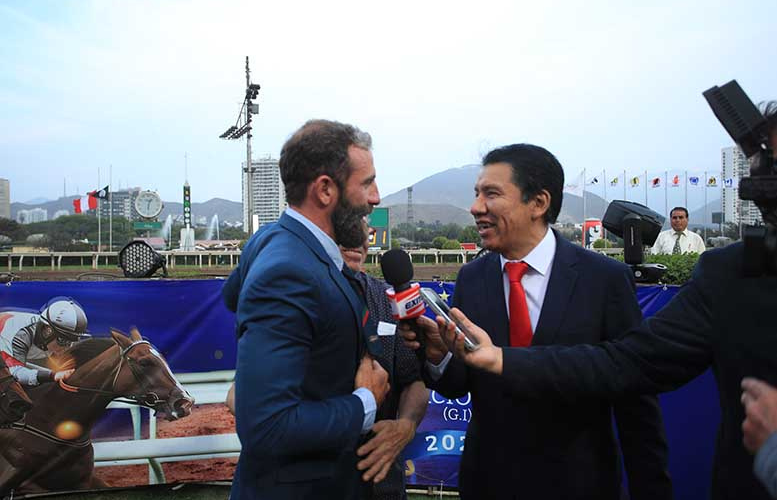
52	450
14	402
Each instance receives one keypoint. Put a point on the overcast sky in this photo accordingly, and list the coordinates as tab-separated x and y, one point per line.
139	84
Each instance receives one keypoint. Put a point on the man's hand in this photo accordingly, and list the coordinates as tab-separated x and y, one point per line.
373	377
487	357
62	376
436	349
760	401
380	452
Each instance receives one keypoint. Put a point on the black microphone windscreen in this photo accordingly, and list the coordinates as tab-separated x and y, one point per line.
397	267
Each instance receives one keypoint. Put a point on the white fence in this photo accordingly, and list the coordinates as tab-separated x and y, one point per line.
205	388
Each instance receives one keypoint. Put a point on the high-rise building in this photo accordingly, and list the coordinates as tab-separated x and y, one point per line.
5	198
32	215
122	203
735	167
269	199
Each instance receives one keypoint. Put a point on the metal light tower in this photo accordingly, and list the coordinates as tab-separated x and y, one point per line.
237	131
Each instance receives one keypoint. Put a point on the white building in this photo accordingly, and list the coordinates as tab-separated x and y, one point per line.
60	213
32	215
5	198
735	167
269	199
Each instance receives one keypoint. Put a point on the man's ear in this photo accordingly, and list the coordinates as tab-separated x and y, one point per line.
324	191
540	204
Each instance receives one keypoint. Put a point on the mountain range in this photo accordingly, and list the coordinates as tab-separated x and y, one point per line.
445	197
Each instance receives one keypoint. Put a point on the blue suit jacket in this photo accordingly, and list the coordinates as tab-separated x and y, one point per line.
533	448
298	324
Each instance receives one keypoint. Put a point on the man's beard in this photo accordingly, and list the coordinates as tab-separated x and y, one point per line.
348	222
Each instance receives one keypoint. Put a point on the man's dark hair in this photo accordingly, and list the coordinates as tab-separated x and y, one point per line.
319	147
679	208
534	169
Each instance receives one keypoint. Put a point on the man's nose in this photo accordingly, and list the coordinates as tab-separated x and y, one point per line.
374	196
478	207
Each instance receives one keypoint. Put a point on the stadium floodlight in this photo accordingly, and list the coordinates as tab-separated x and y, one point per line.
138	260
236	132
229	132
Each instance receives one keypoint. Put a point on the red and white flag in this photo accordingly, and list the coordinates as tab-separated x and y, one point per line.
84	203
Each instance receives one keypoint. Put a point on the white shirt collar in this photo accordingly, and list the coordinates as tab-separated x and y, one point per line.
541	256
330	247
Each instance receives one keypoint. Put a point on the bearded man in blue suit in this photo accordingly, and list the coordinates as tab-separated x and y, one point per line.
306	387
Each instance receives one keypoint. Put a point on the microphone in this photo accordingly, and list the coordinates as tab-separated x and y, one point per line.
404	297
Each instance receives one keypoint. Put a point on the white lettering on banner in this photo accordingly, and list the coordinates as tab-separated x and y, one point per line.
447	442
456	414
435	398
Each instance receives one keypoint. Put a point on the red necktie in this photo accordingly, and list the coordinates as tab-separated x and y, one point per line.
520	323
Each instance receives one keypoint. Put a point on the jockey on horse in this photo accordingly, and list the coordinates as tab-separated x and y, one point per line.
28	336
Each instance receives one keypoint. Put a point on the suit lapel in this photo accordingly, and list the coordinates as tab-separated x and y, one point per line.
563	276
495	301
336	274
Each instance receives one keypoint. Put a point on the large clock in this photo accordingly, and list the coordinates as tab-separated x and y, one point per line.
148	204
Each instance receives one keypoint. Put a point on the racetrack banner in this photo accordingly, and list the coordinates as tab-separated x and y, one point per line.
75	432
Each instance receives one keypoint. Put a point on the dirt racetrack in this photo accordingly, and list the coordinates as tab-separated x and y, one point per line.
204	420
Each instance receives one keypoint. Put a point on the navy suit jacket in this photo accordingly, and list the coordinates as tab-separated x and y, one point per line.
720	319
531	448
298	325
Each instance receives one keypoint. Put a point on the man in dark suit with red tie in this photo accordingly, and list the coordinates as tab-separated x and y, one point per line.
535	288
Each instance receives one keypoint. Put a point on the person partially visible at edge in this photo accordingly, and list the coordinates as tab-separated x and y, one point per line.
536	288
406	403
679	239
306	391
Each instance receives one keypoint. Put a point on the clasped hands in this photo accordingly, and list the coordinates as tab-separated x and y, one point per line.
440	338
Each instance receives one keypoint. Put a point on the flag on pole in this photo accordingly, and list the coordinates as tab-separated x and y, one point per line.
634	182
614	181
675	181
731	183
656	182
84	203
575	187
592	182
693	180
100	193
712	181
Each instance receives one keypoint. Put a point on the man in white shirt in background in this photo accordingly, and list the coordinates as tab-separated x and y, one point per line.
679	239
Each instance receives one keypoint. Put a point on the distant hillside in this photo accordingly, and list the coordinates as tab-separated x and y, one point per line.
430	214
228	211
453	188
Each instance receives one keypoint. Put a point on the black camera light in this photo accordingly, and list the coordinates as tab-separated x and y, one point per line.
638	226
138	260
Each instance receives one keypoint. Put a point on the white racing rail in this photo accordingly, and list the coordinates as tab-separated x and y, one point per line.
205	388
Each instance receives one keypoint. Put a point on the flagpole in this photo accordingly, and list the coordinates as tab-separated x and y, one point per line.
110	213
584	195
646	178
705	207
605	181
686	190
666	193
624	183
99	232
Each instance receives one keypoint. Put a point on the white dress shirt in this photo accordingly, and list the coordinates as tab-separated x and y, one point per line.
689	242
535	284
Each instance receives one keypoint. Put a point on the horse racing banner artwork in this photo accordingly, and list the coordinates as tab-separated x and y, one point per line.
122	383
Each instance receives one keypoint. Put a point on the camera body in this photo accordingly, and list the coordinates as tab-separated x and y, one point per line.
749	129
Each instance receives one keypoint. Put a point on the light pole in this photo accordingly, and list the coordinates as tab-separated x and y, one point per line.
237	131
